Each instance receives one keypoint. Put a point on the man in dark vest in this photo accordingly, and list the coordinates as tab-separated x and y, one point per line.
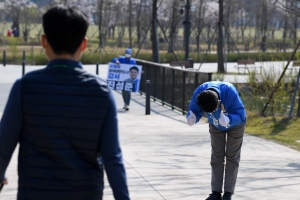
64	120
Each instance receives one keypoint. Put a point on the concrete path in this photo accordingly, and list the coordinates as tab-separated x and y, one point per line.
167	159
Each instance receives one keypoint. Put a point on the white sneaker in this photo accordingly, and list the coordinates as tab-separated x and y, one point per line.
126	108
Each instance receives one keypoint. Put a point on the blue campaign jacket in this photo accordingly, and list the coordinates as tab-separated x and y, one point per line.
229	98
124	60
65	121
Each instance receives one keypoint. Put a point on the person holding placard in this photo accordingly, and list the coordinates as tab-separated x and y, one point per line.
127	59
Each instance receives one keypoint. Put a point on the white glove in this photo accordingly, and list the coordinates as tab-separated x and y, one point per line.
191	120
224	120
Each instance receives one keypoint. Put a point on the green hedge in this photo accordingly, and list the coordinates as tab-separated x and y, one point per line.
231	57
92	58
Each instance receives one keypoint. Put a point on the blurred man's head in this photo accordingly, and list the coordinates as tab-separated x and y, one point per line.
208	101
65	29
134	71
128	53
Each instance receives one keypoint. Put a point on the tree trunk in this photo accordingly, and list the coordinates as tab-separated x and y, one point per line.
187	30
155	51
16	19
113	28
284	34
138	24
198	45
130	24
25	35
265	25
295	29
220	46
243	35
298	110
227	31
171	35
100	8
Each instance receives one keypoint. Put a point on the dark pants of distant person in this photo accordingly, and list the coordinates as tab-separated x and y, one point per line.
126	97
229	149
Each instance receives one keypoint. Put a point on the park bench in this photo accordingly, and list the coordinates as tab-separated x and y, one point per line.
296	64
294	68
182	64
246	65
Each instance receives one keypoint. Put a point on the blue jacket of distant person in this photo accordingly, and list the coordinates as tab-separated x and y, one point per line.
124	60
229	97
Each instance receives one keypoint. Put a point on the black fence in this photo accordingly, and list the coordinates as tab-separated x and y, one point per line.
171	86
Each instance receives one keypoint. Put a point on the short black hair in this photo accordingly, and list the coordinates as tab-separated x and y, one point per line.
65	28
134	67
208	100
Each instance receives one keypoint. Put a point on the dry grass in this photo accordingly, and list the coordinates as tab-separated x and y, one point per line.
278	129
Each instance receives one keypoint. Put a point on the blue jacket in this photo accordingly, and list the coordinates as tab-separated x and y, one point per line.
124	60
229	98
65	121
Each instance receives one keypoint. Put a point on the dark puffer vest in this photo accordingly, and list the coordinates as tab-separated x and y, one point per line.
64	108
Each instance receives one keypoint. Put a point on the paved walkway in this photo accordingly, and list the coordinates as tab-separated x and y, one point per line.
166	159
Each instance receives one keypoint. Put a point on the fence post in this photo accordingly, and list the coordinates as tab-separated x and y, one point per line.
183	91
4	58
196	80
23	67
155	81
24	54
163	86
97	68
173	88
191	61
23	63
147	97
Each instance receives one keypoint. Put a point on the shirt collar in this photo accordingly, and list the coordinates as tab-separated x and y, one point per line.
64	63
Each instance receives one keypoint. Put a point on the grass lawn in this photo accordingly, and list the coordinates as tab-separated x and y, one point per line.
277	129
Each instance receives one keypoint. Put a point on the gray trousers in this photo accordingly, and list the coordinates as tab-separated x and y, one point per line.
229	149
126	97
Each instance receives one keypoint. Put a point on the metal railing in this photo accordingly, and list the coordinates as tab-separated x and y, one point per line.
171	86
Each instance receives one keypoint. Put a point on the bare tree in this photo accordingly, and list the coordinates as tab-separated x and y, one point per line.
155	51
142	19
245	19
220	47
138	22
20	10
175	19
13	10
130	23
233	18
199	22
100	9
291	10
294	25
122	22
210	22
291	6
29	16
